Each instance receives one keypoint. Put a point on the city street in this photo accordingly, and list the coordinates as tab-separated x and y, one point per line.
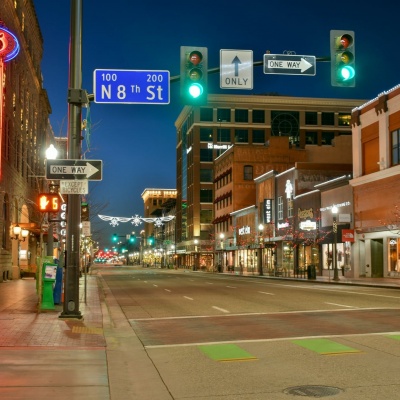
214	336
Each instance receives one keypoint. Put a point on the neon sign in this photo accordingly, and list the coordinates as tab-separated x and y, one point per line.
9	46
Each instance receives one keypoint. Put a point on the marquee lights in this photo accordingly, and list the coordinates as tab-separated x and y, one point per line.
136	220
9	46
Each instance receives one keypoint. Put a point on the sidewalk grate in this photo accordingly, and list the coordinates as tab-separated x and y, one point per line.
313	391
87	329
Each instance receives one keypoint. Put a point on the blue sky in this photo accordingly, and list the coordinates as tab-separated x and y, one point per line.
137	142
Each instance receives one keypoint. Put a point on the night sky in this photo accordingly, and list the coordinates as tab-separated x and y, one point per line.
137	142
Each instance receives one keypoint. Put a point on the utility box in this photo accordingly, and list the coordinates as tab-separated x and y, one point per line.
49	274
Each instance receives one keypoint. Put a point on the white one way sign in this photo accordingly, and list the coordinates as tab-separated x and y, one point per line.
236	69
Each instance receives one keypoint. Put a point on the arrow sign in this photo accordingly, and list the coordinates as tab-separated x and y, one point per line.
291	64
74	169
236	69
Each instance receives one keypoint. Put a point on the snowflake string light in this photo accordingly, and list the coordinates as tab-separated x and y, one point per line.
136	220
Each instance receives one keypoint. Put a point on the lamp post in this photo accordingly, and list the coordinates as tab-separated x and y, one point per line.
221	237
20	234
260	262
195	254
334	229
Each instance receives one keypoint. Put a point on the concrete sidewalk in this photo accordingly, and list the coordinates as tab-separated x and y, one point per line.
96	358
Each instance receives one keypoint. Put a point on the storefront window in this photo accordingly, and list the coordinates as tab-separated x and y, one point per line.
394	256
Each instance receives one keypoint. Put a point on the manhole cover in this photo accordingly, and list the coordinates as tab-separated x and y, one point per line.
313	391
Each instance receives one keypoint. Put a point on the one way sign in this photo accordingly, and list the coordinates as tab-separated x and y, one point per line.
289	64
74	169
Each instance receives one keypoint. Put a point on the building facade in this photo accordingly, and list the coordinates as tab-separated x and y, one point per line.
265	133
376	176
25	133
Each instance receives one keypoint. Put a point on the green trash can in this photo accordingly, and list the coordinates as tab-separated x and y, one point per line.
49	273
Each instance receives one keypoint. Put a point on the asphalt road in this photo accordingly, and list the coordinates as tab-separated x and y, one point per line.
214	336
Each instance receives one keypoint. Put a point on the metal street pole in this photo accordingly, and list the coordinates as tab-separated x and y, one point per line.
75	100
334	228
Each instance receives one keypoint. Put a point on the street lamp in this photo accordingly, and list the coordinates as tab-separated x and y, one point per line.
334	228
20	234
260	262
221	261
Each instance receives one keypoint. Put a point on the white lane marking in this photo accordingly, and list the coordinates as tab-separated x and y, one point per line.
189	298
232	287
167	290
272	294
155	285
341	305
220	309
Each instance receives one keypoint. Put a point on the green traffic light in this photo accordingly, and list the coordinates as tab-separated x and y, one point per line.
346	73
195	90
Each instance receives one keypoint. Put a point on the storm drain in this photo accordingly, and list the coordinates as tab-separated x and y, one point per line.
313	391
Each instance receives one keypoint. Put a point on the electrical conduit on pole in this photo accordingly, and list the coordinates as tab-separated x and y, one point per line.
71	290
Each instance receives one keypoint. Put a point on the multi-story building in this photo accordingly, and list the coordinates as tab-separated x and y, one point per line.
25	134
267	133
376	176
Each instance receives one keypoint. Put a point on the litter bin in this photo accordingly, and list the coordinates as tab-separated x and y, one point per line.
49	273
58	285
311	272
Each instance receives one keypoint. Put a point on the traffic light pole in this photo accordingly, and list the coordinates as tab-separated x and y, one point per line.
75	100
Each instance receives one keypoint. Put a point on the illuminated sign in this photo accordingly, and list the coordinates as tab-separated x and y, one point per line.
49	202
267	211
9	46
245	230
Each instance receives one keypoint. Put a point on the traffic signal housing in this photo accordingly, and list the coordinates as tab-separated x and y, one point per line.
49	202
115	237
194	75
85	212
132	239
343	70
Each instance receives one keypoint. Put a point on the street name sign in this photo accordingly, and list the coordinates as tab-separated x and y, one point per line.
68	186
131	86
236	69
74	169
289	64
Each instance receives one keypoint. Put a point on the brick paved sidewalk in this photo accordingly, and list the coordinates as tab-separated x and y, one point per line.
21	325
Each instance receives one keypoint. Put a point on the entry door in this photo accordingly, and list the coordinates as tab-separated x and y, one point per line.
377	258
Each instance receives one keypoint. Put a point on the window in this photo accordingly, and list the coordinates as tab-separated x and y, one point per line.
223	135
258	116
396	147
258	136
206	216
206	114
311	118
344	119
224	115
206	175
206	195
311	137
241	115
328	118
248	172
290	207
206	155
206	134
327	137
241	136
280	208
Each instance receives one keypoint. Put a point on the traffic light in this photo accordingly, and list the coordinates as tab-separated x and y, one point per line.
343	70
150	240
49	202
84	212
194	74
115	238
132	239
